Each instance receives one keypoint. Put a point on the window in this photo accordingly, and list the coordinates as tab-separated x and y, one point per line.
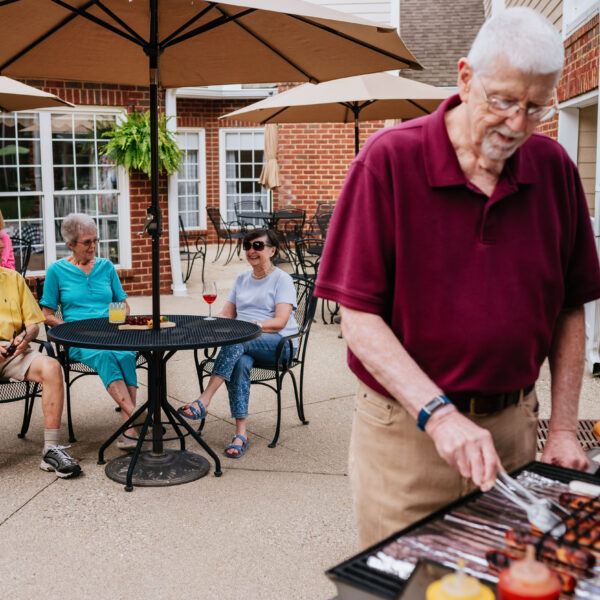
50	166
242	158
191	179
21	199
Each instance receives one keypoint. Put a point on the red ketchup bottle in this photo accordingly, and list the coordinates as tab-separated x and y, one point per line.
528	579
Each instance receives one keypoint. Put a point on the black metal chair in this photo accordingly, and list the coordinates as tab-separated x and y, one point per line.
71	366
225	235
308	254
288	223
323	217
28	391
272	376
22	252
191	251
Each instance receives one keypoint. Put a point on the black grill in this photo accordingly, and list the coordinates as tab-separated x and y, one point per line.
355	580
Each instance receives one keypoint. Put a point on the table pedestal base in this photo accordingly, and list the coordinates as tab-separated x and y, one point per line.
172	467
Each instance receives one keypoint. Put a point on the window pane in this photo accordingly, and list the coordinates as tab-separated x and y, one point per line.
62	151
86	178
7	125
9	181
8	153
64	178
30	179
108	178
28	126
62	126
85	153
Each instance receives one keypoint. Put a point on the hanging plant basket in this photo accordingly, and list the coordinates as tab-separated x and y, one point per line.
129	144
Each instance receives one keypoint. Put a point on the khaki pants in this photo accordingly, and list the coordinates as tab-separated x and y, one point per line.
398	477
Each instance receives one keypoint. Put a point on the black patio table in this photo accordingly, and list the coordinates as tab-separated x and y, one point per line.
264	215
158	467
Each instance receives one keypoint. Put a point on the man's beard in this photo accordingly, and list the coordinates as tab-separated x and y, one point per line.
498	149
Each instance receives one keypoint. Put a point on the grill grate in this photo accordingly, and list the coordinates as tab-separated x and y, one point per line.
355	580
585	434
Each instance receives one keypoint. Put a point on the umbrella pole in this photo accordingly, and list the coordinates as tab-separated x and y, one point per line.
155	228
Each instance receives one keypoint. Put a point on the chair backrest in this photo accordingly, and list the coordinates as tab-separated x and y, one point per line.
217	221
308	255
186	240
323	218
22	252
307	304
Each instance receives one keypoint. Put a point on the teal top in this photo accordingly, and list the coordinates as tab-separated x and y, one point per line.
82	296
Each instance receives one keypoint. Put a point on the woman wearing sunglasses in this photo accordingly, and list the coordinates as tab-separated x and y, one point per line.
266	296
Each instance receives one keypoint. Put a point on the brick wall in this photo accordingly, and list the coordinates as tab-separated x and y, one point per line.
581	61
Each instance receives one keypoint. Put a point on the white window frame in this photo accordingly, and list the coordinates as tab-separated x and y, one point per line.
222	163
202	175
48	191
576	13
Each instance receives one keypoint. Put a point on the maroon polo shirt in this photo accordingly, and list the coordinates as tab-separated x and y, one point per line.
471	285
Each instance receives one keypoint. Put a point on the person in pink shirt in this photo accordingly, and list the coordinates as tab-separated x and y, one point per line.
7	259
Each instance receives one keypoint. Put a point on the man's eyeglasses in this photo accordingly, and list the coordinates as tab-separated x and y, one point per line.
258	245
89	243
509	108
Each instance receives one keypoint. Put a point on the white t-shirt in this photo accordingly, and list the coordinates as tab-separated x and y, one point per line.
255	299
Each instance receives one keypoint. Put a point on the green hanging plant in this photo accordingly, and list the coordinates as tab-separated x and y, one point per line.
129	144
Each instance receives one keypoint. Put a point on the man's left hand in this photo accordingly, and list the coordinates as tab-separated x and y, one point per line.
563	449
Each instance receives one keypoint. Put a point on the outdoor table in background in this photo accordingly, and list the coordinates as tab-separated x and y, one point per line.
264	215
158	467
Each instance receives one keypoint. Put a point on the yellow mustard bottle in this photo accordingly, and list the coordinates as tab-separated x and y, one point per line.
458	586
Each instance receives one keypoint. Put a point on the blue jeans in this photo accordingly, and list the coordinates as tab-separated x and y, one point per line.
234	364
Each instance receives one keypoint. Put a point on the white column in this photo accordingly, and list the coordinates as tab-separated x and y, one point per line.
178	286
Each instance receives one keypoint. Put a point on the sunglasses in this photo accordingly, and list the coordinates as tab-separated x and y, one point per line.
258	246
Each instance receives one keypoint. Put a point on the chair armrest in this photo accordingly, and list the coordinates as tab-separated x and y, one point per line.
280	346
46	346
200	240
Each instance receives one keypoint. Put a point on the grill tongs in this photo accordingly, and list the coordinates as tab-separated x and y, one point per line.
540	511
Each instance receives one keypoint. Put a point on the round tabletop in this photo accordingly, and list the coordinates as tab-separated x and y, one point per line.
190	331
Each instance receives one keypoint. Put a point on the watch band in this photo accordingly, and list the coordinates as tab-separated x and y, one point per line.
430	408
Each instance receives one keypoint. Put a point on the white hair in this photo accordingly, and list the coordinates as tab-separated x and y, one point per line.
74	225
523	37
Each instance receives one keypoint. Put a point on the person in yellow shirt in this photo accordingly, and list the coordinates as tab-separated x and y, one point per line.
19	319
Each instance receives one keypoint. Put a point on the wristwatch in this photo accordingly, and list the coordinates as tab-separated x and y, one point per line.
258	323
430	408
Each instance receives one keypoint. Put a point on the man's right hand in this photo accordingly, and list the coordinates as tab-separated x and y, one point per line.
464	446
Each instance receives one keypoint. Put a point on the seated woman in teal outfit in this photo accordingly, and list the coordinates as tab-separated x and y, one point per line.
83	284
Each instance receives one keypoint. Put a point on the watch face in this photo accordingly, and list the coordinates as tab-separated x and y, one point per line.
434	404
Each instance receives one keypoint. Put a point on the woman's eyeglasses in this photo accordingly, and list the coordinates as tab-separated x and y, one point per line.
258	245
89	243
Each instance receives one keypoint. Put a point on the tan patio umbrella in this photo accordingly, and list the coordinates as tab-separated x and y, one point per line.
15	95
269	176
371	97
173	43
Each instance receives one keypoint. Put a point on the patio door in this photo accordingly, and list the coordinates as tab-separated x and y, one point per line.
579	133
191	179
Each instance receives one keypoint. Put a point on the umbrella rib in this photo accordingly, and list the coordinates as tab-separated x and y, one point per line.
269	46
274	115
81	12
418	106
42	38
410	63
223	20
168	39
122	23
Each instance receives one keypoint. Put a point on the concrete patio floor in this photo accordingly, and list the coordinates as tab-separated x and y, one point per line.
268	528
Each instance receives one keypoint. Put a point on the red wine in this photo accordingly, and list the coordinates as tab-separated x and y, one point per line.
209	298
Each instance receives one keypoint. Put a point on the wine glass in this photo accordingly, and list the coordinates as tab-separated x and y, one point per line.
209	293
